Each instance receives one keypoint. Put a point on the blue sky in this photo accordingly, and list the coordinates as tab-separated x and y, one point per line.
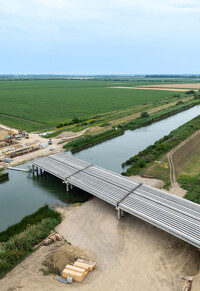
100	37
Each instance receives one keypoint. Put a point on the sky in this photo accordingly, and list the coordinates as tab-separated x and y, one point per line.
99	37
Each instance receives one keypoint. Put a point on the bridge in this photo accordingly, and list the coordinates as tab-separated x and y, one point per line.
168	212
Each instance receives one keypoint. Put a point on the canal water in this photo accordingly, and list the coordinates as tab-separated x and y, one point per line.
23	194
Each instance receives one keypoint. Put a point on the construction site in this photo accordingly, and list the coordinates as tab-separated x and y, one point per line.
15	143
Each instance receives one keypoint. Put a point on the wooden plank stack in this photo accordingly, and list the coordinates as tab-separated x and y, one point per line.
79	270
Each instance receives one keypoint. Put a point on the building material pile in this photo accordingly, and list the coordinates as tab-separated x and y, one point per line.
79	270
21	151
52	238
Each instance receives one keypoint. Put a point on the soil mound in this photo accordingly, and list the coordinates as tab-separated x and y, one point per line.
65	254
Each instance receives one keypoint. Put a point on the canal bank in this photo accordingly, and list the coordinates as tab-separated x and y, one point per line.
112	153
34	192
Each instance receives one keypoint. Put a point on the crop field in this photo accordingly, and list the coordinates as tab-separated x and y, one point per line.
36	105
187	158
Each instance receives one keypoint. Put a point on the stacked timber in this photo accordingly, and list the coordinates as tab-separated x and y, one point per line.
79	270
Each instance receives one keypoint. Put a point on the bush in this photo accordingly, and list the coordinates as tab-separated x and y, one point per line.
3	176
191	184
190	92
179	102
176	95
144	114
75	120
36	217
20	245
197	96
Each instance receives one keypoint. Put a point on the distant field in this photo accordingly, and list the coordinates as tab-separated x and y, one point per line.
39	105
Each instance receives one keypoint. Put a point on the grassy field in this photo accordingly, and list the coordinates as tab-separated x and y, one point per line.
42	104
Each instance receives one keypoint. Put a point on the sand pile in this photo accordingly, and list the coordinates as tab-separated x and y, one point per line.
3	134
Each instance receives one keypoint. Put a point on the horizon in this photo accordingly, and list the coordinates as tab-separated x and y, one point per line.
106	75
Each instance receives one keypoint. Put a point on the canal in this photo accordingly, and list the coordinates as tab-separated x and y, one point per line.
23	194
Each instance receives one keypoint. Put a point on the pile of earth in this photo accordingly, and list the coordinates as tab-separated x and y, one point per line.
63	255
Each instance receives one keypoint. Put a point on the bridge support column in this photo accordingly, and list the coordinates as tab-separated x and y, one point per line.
40	171
122	213
71	186
119	214
67	187
33	169
37	170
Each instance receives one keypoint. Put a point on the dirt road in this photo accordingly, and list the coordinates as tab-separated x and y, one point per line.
175	188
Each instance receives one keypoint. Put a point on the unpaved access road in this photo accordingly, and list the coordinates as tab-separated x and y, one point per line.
131	255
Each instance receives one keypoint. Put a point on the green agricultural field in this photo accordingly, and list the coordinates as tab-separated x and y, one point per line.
36	105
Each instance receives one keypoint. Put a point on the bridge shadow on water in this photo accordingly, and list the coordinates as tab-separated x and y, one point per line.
55	186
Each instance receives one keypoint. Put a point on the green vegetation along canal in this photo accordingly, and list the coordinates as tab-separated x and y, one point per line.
22	194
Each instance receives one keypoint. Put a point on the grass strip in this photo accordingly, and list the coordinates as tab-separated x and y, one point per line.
36	217
90	140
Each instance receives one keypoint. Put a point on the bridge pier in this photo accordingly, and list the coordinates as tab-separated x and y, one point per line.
119	214
122	213
33	169
67	187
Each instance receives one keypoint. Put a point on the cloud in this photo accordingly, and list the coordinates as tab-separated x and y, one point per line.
77	21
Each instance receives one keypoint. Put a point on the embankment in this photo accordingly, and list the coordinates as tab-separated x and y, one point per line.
139	162
90	140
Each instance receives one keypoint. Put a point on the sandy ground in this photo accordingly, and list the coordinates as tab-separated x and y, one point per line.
153	88
36	139
151	182
130	254
3	134
70	134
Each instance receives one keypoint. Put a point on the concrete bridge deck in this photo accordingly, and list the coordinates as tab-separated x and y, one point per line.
173	214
